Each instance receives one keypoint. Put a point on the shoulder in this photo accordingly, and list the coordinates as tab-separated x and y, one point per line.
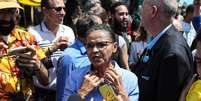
22	32
173	40
66	28
126	74
122	41
71	51
34	30
80	72
70	54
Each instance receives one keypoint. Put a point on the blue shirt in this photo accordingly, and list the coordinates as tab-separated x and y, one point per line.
196	23
74	57
76	78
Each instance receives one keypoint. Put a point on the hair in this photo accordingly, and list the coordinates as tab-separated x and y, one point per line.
103	27
84	22
90	3
99	11
169	7
115	5
143	34
44	3
189	9
135	25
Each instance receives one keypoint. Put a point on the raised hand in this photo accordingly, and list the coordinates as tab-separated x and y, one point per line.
91	81
61	43
114	79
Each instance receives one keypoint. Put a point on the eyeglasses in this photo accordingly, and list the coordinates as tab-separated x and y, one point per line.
98	45
58	9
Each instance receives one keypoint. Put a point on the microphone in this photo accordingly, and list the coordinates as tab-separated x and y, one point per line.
75	98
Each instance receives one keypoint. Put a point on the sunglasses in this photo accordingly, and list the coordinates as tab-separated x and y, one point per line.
58	9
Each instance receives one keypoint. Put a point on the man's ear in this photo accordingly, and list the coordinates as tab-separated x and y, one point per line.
155	10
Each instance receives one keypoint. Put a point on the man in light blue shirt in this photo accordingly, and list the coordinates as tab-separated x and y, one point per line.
74	57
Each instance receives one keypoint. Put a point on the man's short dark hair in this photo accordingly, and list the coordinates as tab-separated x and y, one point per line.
44	3
116	4
84	22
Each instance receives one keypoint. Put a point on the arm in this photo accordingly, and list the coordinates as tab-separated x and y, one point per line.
133	55
63	71
42	74
124	56
134	89
28	60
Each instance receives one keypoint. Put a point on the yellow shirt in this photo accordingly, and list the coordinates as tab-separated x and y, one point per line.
11	80
194	93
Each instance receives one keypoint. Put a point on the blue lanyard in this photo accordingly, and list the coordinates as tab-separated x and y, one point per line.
151	43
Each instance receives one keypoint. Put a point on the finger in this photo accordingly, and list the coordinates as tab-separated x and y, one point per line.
93	78
26	65
31	49
20	50
2	45
118	98
114	73
113	70
98	82
25	60
116	78
87	76
62	38
63	44
26	56
109	78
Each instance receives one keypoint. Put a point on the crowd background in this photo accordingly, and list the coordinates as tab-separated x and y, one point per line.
68	40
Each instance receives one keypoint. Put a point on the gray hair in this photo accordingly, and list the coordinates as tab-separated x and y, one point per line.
167	6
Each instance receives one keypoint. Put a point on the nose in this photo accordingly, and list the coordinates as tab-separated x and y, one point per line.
125	16
94	49
63	12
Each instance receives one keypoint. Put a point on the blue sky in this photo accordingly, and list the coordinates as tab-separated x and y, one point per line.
187	1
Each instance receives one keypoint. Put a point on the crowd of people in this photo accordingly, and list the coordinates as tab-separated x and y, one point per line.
101	50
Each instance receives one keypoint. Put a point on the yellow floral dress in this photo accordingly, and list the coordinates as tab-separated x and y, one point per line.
12	83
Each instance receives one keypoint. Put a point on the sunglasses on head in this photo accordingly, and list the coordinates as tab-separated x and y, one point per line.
58	9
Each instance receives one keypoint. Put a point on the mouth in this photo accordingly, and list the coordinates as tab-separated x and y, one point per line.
96	59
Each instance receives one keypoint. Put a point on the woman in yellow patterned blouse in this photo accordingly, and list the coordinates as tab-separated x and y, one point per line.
17	66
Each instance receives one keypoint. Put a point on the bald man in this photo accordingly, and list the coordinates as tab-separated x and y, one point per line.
166	63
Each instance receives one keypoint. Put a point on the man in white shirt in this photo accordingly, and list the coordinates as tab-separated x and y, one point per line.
54	37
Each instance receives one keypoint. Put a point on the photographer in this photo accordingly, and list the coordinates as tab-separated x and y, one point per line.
20	56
